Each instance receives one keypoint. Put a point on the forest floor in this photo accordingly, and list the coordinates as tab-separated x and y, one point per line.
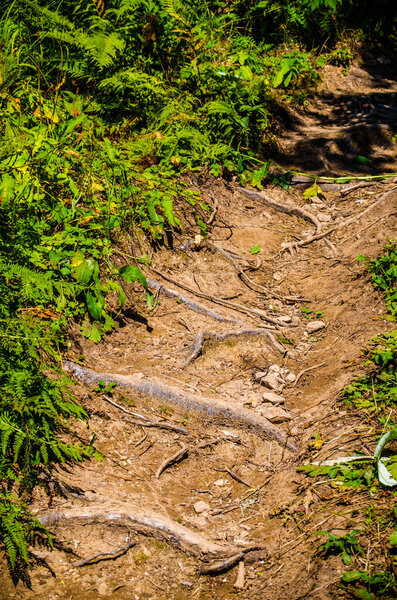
234	493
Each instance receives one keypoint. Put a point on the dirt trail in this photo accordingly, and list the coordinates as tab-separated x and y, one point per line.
231	494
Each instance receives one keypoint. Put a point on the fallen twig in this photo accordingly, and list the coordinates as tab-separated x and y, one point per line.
105	555
255	312
215	407
240	580
234	476
125	410
184	451
301	373
297	211
345	223
205	336
162	425
214	210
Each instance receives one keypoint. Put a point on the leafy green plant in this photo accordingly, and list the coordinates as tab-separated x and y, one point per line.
347	546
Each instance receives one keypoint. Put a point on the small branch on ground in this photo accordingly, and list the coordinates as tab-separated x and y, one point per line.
255	312
297	211
184	451
105	556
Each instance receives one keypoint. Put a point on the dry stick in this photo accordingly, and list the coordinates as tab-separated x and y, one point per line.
227	563
161	425
125	410
142	521
368	226
301	373
345	223
356	186
199	308
214	211
205	336
289	209
214	407
234	476
239	583
184	451
242	274
105	555
255	312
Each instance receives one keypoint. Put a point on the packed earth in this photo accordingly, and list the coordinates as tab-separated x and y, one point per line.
204	410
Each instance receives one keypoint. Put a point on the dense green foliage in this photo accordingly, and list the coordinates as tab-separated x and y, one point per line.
102	106
375	395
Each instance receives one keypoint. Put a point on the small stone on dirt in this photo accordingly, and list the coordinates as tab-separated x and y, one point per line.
219	482
201	507
273	398
290	377
275	368
277	276
324	218
315	326
259	375
285	318
271	381
275	414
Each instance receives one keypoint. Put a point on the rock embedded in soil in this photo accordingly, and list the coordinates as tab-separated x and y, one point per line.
275	414
201	507
290	377
272	381
315	326
273	398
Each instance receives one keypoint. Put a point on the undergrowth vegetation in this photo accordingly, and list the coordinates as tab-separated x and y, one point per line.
374	395
103	106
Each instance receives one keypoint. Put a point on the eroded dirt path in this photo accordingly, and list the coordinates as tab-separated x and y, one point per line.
236	487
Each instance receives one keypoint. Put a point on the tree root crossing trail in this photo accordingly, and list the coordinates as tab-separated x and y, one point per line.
204	410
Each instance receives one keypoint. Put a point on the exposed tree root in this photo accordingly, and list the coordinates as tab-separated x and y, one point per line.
172	459
314	238
216	408
205	336
243	276
105	555
297	211
142	521
254	312
214	210
227	563
199	308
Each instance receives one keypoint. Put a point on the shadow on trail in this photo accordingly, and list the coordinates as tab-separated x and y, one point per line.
345	132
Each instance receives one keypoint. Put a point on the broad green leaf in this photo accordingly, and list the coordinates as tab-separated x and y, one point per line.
94	306
131	274
91	331
313	191
82	270
393	539
361	160
167	204
351	576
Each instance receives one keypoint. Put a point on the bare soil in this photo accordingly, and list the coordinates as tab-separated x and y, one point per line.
275	509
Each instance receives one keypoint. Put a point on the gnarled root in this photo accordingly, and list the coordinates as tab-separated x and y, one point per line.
205	336
216	408
289	209
142	521
199	308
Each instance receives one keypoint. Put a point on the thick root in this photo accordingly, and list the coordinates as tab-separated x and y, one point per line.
216	408
205	336
142	521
